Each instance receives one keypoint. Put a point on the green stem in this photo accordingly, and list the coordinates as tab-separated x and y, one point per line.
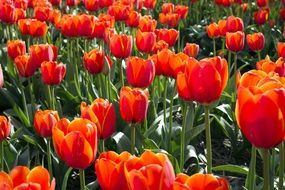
229	61
208	139
49	158
50	97
2	155
258	55
183	133
250	180
214	47
107	86
122	73
266	169
82	179
171	119
234	75
102	145
24	102
30	84
164	101
133	138
282	165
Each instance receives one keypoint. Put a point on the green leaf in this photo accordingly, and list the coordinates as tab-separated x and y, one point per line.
122	141
232	168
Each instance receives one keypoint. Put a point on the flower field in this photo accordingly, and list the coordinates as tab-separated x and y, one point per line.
142	95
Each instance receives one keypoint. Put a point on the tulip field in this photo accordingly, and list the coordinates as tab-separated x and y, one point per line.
142	95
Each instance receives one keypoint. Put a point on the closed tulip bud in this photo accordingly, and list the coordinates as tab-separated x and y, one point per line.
235	41
203	81
234	24
77	138
161	61
25	66
140	72
282	14
42	52
170	36
5	127
119	11
1	77
167	8
244	7
149	4
177	63
20	14
7	13
200	181
72	2
213	30
42	13
16	48
169	19
94	61
121	45
147	24
133	104
261	16
222	27
32	27
102	113
133	19
145	41
261	3
44	121
52	73
281	49
21	4
191	49
91	5
182	11
55	2
255	41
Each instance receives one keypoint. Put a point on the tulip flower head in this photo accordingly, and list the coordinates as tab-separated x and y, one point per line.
52	73
44	121
121	45
255	41
235	41
16	48
191	49
5	127
234	24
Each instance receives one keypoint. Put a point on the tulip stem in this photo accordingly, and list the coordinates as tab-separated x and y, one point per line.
2	155
214	47
250	180
171	119
164	101
51	97
208	139
82	179
281	168
49	158
133	138
258	55
183	133
30	83
266	169
24	102
122	73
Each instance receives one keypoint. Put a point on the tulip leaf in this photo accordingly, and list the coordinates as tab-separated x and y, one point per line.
232	168
122	141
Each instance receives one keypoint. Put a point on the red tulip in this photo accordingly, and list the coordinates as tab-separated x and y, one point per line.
147	24
94	61
52	73
72	2
160	45
213	30
149	4
170	36
91	5
203	81
234	24
268	66
255	41
133	104
55	2
42	13
21	4
77	138
7	13
102	24
16	48
261	16
42	52
177	63
5	128
244	7
167	8
25	66
44	121
119	12
182	11
121	45
32	27
161	61
191	49
282	14
145	41
140	72
1	77
133	19
281	49
105	3
20	14
261	3
101	112
235	41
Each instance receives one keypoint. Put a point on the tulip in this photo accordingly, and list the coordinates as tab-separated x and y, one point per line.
101	112
42	13
77	138
44	121
161	61
281	49
255	41
282	14
105	3
234	24
91	5
42	52
7	13
55	2
222	24
147	24
235	41
52	73
191	49
15	48
200	182
244	7
261	16
1	77
72	2
170	19
133	104
133	19
121	45
140	72
68	25
145	41
160	45
149	4
21	4
268	66
94	61
22	178
20	14
102	24
119	12
5	128
261	3
25	67
213	30
167	8
170	36
182	11
32	27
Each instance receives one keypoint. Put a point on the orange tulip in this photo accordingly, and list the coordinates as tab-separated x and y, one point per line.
222	27
52	73
268	66
259	109
102	24
182	11
170	19
145	41
7	13
203	81
200	182
235	41
140	72
149	4
32	27
1	77
94	61
191	49
261	16
25	67
42	52
281	49
160	45
161	61
44	121
133	19
177	63
68	25
170	36
213	30
20	14
147	24
77	138
244	7
255	41
121	45
101	112
234	24
5	127
119	11
91	5
16	48
22	178
133	104
42	13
